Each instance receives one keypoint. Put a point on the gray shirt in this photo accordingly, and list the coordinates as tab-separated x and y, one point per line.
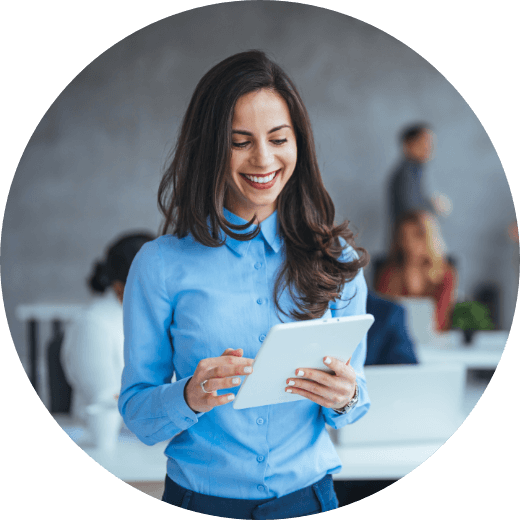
407	190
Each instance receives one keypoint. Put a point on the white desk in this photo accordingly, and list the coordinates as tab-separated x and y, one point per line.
133	461
382	462
483	353
130	461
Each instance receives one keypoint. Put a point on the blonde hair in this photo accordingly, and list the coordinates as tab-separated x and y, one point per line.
435	245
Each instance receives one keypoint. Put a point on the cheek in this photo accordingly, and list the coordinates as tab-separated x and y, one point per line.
290	158
234	166
233	162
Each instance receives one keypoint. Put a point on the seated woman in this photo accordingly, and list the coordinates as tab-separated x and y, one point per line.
417	266
92	353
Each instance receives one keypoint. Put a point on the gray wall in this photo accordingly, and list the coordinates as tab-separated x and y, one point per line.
92	167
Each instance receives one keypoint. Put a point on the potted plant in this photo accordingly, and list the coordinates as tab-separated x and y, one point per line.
470	317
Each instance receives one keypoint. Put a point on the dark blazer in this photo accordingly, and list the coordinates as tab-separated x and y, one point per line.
388	342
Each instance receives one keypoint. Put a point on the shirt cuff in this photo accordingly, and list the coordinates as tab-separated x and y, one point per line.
180	414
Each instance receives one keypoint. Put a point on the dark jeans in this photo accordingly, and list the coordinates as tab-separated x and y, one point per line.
307	501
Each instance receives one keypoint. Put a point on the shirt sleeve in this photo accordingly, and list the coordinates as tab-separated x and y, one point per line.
355	290
152	406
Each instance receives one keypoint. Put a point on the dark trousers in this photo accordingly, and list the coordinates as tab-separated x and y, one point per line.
307	501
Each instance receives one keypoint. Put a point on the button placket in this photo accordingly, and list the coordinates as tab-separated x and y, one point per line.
260	287
261	458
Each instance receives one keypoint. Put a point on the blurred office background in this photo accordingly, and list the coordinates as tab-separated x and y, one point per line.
92	167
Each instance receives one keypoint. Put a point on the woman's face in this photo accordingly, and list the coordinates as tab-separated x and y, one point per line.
412	240
263	154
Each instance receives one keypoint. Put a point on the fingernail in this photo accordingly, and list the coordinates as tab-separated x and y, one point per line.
299	372
235	380
248	370
231	397
288	390
327	360
291	383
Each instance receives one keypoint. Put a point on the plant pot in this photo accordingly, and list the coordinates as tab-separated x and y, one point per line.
468	336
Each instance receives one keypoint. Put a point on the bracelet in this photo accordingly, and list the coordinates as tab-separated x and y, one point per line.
348	406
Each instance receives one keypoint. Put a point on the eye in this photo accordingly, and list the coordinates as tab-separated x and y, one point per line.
243	144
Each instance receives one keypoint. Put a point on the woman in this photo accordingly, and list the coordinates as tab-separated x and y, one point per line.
417	266
251	240
92	353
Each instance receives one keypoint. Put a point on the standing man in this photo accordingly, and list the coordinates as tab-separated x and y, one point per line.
407	191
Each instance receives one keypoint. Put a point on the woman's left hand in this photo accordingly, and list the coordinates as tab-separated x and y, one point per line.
328	390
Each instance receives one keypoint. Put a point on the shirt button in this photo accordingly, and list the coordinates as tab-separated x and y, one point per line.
259	301
260	458
258	265
261	488
259	421
189	420
262	337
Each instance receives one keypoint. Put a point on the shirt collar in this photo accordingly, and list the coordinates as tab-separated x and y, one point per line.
268	231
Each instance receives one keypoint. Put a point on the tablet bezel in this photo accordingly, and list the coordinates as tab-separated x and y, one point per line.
302	344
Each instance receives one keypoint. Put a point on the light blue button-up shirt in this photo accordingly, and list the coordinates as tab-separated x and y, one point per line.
184	302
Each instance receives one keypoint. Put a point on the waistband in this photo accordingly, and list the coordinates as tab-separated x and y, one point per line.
312	499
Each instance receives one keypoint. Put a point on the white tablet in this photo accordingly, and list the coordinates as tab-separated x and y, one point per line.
289	346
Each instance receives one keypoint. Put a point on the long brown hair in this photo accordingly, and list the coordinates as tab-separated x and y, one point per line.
193	188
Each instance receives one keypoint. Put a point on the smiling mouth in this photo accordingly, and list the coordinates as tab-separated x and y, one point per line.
263	181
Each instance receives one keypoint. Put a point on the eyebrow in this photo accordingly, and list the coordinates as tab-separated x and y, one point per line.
275	129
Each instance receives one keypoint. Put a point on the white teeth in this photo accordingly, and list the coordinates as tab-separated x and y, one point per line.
261	180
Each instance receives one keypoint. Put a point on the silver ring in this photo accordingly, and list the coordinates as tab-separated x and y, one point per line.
202	386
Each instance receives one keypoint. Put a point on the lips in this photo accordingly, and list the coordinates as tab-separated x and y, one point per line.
261	182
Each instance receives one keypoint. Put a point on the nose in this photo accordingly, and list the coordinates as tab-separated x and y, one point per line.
262	156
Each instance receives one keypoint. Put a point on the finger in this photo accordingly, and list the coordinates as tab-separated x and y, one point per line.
328	397
229	366
239	352
212	385
208	364
220	400
332	394
339	367
338	382
313	374
310	395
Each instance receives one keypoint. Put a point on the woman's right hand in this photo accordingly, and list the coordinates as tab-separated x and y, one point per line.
221	372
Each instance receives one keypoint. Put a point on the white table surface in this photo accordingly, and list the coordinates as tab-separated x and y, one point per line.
382	462
483	353
133	461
